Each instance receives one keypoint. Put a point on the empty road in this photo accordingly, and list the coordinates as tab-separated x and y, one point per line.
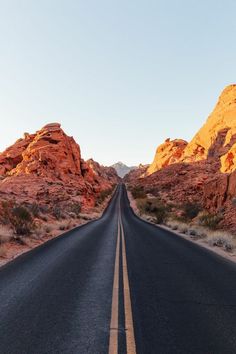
118	285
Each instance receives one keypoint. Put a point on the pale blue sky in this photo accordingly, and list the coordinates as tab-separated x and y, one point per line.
121	76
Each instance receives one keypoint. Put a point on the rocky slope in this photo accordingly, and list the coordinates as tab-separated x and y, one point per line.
122	169
216	139
201	171
47	168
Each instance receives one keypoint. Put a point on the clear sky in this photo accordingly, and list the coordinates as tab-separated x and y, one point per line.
121	76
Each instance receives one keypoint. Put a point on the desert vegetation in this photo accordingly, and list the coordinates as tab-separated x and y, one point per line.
104	194
24	225
188	219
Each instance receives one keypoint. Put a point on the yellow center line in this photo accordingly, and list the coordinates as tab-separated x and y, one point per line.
129	326
113	342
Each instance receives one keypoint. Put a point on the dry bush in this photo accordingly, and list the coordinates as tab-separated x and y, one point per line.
183	228
153	207
18	217
138	192
221	239
211	221
35	210
86	217
172	224
22	221
194	231
57	212
141	205
75	208
103	195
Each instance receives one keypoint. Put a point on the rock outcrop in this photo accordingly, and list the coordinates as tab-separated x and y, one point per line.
168	153
215	140
203	171
47	167
219	131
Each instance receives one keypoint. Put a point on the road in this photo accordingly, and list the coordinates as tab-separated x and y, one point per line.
118	285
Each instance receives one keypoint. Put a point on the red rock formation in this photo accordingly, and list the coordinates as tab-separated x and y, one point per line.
47	168
135	174
203	171
219	130
168	153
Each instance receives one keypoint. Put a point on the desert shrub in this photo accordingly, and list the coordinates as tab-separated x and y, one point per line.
76	208
222	240
103	195
138	192
183	229
57	212
153	207
190	210
35	210
192	232
22	220
161	214
210	220
18	217
142	204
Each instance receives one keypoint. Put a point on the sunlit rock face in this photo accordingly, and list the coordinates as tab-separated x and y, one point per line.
203	171
215	140
218	134
168	153
51	153
47	167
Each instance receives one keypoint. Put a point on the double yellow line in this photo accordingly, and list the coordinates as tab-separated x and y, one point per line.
114	325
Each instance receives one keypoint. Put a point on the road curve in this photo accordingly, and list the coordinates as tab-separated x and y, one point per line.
118	285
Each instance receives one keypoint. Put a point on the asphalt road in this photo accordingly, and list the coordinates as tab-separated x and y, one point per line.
76	294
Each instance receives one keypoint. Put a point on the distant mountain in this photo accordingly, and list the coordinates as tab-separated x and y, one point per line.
122	169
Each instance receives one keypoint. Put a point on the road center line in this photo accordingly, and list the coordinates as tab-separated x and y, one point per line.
130	340
113	341
114	324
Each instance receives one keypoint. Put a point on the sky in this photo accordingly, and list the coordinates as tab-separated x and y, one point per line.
120	76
